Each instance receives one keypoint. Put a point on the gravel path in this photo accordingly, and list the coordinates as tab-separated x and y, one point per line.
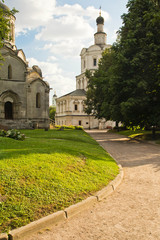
133	210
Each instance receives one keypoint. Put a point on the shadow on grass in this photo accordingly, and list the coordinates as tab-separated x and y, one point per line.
86	147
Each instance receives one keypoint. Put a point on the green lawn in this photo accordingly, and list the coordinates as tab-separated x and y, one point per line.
48	172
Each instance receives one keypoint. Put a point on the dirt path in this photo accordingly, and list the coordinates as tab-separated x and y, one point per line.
133	210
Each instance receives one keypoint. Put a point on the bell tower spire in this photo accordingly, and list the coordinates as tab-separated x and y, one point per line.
100	37
100	11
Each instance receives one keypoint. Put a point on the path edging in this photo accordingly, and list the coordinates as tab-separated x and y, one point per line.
62	216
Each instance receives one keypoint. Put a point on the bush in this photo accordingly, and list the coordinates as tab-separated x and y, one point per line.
3	133
13	133
78	128
59	127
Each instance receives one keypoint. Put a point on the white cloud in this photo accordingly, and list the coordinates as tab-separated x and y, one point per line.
59	80
64	28
47	67
32	14
52	59
67	49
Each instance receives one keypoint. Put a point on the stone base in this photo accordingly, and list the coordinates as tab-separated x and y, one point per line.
23	124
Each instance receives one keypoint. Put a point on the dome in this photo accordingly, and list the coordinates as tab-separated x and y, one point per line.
37	69
4	7
100	20
55	96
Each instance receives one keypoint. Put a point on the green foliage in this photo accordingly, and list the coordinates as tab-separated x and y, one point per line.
13	133
59	127
127	88
3	133
5	25
52	111
78	128
48	172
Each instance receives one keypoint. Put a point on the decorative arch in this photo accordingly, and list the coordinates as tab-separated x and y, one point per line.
9	94
10	105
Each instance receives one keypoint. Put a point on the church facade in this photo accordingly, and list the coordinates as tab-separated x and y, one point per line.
24	95
70	107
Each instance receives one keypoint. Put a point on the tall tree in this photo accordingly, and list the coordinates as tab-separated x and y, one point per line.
5	24
134	75
99	93
52	112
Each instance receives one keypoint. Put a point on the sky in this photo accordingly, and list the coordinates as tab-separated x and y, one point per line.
52	34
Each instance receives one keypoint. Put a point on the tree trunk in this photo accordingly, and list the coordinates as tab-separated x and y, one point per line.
153	133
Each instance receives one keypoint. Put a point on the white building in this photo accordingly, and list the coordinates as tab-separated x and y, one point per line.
70	107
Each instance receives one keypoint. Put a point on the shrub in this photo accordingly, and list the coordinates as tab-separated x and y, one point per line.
3	133
59	127
13	133
69	127
78	128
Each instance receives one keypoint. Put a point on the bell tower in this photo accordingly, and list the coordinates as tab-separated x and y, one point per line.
100	37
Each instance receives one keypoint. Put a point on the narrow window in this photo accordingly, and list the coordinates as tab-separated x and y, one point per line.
38	100
94	62
75	107
9	72
80	123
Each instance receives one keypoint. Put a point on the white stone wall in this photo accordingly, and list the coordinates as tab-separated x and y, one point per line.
100	38
88	56
86	121
81	82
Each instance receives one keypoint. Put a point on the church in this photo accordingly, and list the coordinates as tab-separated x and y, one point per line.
24	95
70	107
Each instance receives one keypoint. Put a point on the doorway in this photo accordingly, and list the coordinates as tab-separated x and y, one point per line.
8	109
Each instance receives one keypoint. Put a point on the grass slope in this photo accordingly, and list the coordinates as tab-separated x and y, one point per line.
48	172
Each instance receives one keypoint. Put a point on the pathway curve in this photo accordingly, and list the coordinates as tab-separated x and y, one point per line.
132	212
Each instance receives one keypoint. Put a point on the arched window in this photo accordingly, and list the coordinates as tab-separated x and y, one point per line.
9	72
38	100
8	109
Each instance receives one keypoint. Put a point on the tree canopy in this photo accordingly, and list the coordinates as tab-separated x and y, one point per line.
52	112
126	86
5	24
